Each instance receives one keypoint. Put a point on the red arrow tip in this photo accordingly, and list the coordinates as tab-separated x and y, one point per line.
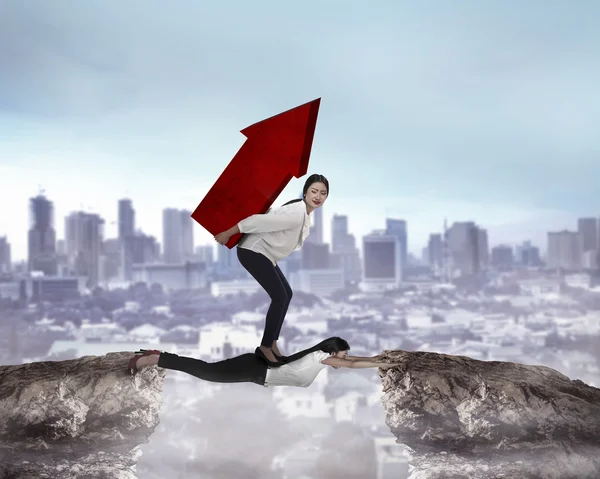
288	135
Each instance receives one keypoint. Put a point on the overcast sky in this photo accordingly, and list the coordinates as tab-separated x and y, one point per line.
485	111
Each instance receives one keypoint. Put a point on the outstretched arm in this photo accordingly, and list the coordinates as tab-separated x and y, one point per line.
365	358
357	364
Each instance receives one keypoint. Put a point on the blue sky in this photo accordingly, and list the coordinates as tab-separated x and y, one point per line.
485	111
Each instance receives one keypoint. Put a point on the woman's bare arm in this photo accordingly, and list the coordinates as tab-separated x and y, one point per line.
358	364
364	358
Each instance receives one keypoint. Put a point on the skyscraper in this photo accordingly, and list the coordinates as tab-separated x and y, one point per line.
187	234
84	234
315	256
316	230
528	255
142	248
126	218
42	237
178	236
502	257
483	249
206	254
382	260
398	229
126	215
564	250
5	259
435	253
463	248
339	233
344	253
588	233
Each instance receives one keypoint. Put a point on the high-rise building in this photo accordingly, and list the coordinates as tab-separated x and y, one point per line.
564	250
589	260
344	253
205	254
84	234
178	236
228	265
110	259
463	248
61	247
42	237
483	248
142	248
339	233
588	234
502	257
528	255
5	256
382	260
315	256
126	218
399	229
126	232
435	253
316	229
187	234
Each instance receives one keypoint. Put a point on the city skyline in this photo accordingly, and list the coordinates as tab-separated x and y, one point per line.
462	133
470	112
415	247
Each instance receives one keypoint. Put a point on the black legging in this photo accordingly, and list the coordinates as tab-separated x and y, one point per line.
247	368
274	283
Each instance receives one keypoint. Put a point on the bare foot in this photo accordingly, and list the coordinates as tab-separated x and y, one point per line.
268	354
150	360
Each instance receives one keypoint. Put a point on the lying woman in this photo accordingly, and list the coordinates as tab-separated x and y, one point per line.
300	370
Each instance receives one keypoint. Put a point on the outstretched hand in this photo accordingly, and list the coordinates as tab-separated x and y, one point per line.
389	365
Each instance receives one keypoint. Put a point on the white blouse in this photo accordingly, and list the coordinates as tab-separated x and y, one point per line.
277	233
300	373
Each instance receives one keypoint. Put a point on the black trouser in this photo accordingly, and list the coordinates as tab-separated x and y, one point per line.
241	369
274	283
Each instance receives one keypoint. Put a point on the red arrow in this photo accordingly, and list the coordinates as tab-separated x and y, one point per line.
276	149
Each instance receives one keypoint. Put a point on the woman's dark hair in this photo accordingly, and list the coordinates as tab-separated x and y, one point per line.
329	345
309	181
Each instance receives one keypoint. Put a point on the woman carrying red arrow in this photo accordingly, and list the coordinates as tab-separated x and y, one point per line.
269	238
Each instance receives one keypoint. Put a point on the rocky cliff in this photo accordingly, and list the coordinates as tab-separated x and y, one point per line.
463	418
80	418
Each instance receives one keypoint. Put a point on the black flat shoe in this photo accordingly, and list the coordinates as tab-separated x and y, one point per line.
279	358
260	354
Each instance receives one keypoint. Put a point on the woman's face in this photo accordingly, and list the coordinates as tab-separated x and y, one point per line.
341	354
316	195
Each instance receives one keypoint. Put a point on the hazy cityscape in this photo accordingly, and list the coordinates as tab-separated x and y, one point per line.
88	295
460	141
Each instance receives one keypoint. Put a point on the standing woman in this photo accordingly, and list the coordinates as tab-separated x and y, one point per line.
269	238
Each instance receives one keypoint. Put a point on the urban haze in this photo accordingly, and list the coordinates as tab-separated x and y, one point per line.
462	149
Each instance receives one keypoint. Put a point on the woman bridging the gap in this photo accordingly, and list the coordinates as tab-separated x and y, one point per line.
269	238
300	370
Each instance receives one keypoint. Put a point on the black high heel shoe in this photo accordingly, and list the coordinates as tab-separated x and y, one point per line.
262	355
282	359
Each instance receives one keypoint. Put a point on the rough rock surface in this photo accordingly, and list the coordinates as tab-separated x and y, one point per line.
82	418
464	418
